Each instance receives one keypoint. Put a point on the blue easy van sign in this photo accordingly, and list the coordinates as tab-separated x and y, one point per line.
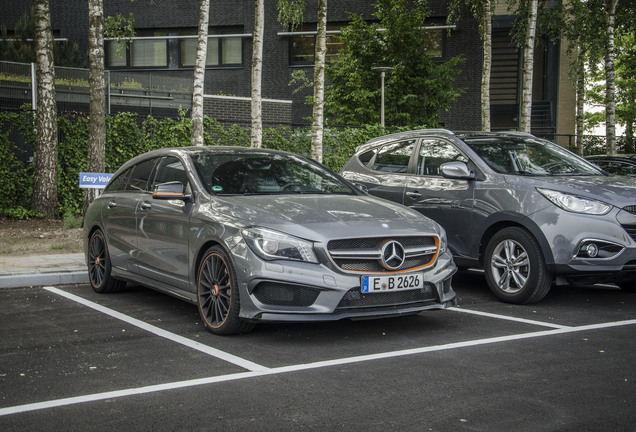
94	180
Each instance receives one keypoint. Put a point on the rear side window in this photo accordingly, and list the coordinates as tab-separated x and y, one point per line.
119	183
394	157
366	157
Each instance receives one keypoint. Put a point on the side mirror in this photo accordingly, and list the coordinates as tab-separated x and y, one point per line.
171	190
457	170
361	187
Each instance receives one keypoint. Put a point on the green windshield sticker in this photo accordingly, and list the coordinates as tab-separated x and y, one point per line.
217	188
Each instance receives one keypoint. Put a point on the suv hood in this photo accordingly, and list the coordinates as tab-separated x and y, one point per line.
615	190
323	217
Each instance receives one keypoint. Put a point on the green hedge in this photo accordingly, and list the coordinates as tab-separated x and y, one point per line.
128	135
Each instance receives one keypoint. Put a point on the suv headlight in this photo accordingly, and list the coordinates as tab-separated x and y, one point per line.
574	203
271	245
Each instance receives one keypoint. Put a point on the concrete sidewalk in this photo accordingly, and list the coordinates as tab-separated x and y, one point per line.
35	270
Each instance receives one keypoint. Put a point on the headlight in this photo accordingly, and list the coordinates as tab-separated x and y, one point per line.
575	204
443	242
271	245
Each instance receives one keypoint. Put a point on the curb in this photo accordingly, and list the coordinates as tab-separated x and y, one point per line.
37	279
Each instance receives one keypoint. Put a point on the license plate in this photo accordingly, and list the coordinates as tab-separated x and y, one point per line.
376	284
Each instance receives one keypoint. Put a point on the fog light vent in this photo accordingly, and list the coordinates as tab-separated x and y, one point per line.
598	249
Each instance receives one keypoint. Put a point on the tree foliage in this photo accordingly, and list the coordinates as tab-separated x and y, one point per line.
19	46
416	90
128	135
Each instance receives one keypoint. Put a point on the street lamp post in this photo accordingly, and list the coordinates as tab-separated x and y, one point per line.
383	70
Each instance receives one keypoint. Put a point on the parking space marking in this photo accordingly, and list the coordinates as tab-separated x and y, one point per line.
301	367
222	355
509	318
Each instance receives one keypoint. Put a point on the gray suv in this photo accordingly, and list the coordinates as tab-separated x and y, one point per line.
526	210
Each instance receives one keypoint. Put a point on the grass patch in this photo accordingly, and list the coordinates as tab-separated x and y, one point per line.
71	221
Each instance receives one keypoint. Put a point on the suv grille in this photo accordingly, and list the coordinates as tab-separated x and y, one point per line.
631	230
384	254
631	209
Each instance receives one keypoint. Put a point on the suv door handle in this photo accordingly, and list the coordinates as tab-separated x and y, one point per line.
111	204
146	205
413	194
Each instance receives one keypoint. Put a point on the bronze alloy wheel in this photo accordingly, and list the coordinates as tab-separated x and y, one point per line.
99	267
217	293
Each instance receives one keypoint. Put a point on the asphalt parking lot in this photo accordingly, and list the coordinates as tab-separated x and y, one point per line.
138	360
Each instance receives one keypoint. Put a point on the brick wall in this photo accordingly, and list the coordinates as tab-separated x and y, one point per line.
228	109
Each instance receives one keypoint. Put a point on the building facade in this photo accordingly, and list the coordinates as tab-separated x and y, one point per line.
165	44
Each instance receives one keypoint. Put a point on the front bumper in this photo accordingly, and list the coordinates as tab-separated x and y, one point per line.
293	291
613	233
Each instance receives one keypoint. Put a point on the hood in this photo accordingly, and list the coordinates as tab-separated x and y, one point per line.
324	217
618	191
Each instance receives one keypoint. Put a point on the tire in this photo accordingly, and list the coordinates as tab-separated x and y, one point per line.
217	294
99	266
515	269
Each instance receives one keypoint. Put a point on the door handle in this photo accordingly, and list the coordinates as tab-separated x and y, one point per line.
413	194
111	204
146	206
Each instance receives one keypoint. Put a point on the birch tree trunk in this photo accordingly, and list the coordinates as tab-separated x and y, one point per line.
44	198
610	77
486	66
97	95
199	75
317	129
580	99
257	73
528	68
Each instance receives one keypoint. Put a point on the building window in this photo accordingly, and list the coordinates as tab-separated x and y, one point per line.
436	41
170	49
303	45
150	52
226	50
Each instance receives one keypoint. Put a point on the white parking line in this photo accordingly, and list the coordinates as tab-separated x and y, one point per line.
509	318
230	358
300	367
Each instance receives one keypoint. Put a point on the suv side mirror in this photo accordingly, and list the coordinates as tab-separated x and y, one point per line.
170	190
457	170
362	187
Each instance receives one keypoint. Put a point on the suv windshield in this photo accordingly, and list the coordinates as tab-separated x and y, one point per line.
235	173
528	156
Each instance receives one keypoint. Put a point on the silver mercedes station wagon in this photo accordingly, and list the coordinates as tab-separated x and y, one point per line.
261	235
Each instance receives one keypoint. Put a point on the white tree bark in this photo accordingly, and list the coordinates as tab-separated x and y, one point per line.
528	68
97	95
486	66
44	198
580	99
199	75
257	74
610	77
317	128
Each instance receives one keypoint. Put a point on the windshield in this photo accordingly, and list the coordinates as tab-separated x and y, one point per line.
528	156
237	173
